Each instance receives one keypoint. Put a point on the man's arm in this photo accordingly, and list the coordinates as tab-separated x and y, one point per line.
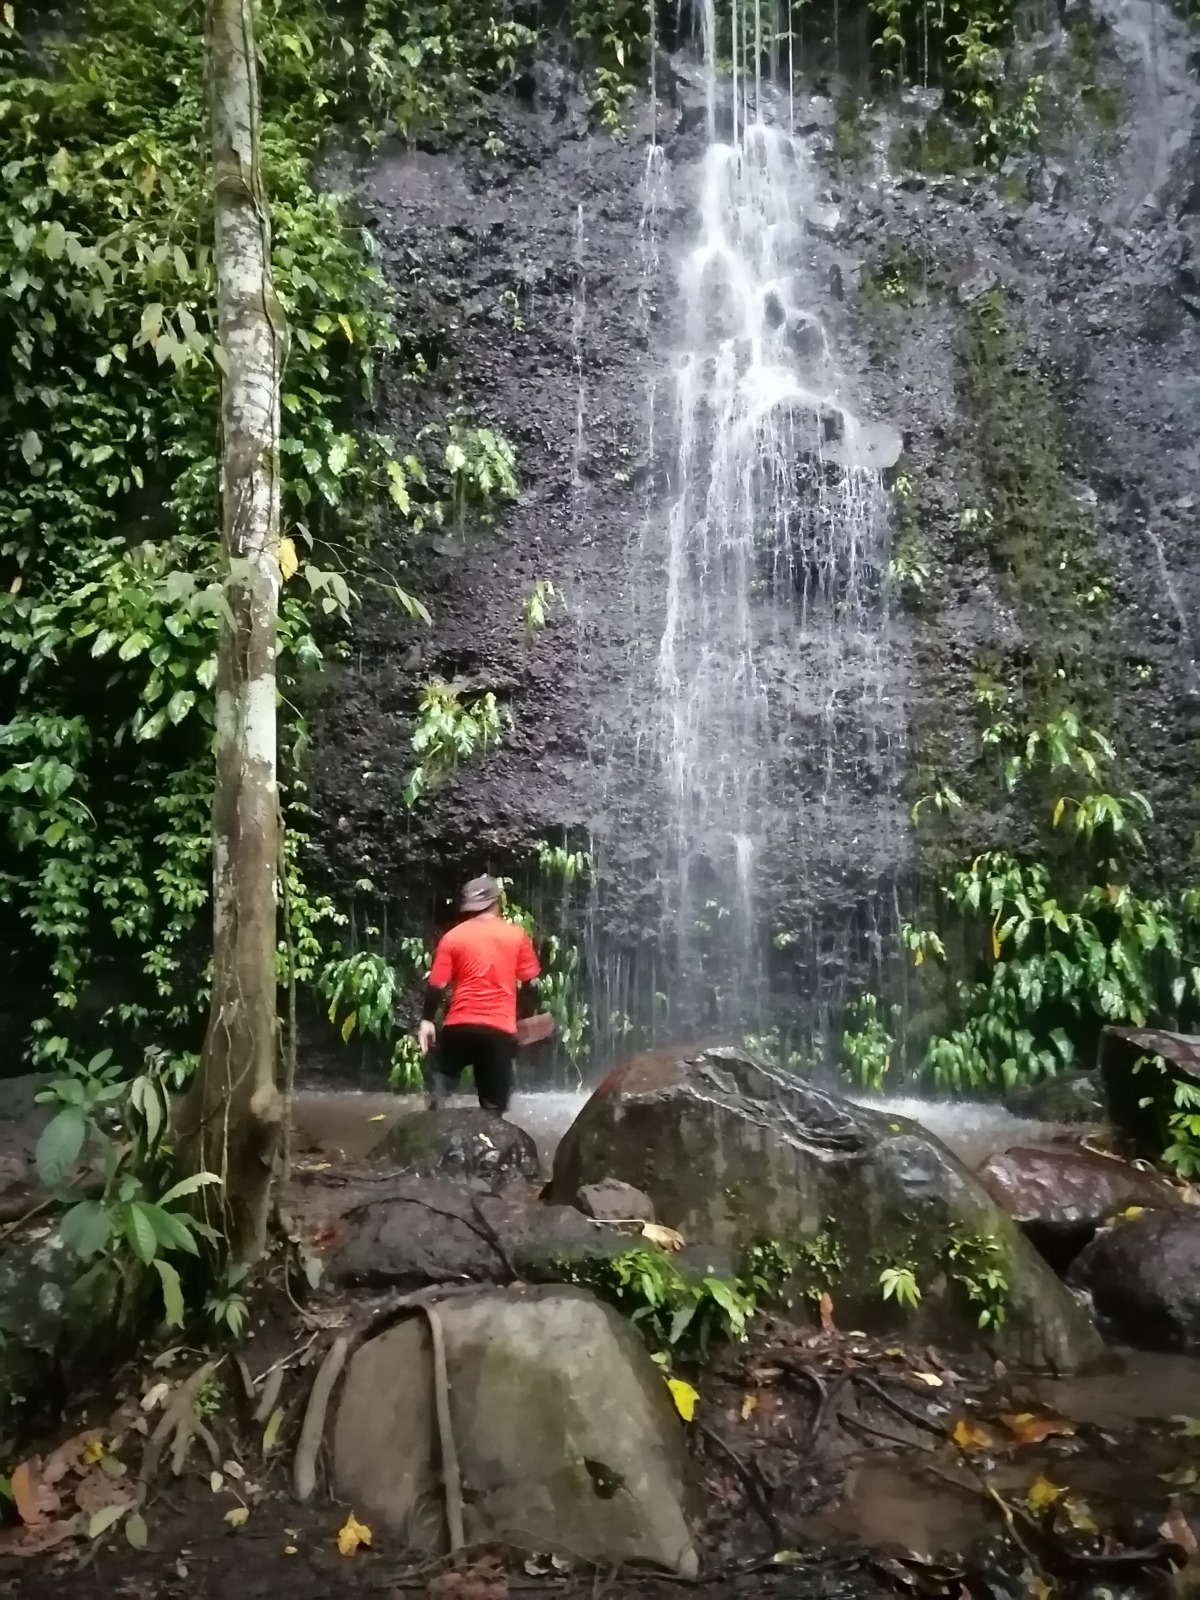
528	972
437	985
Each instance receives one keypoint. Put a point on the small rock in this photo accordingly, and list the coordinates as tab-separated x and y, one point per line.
1075	1097
610	1200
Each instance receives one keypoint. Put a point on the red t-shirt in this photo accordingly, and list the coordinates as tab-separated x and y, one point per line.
483	960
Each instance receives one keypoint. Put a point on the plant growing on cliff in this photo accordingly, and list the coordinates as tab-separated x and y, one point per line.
899	1283
451	727
616	35
867	1048
535	607
979	1265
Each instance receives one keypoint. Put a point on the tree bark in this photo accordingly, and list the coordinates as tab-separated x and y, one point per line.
232	1120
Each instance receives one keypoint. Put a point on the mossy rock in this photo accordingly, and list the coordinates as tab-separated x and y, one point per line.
471	1146
734	1153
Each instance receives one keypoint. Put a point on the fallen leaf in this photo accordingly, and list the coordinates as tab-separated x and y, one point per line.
34	1500
969	1435
1178	1530
135	1530
289	1549
271	1431
102	1520
380	1118
749	1403
894	1351
1038	1587
236	1518
667	1238
216	1482
37	1540
155	1396
1027	1428
233	1469
98	1493
825	1308
1188	1426
1078	1513
1042	1493
684	1396
351	1534
1181	1478
70	1456
931	1378
93	1451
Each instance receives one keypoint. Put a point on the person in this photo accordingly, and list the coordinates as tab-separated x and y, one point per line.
481	963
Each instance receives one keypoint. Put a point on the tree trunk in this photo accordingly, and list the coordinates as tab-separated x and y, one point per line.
232	1121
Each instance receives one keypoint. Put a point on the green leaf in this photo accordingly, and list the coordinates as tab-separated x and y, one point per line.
55	241
86	1229
139	1230
172	1292
135	1530
186	1186
271	1431
172	1232
31	446
59	1147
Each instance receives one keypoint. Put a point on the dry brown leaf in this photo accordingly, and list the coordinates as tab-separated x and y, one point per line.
71	1454
35	1500
969	1435
481	1581
666	1238
37	1540
825	1307
749	1404
96	1491
1042	1493
1027	1428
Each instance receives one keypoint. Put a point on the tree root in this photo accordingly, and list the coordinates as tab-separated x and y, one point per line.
179	1425
313	1430
451	1476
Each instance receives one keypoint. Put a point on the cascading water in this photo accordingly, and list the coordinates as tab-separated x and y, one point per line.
761	570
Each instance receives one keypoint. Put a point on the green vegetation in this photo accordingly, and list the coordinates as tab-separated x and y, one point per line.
678	1315
615	35
110	601
979	1266
867	1048
451	727
899	1283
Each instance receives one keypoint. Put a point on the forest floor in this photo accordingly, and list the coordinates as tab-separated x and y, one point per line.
823	1462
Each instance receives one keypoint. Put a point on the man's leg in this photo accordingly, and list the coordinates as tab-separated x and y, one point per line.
445	1067
493	1062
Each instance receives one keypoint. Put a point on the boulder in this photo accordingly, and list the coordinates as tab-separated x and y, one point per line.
1143	1275
735	1153
431	1230
566	1437
610	1200
475	1145
1069	1192
1075	1097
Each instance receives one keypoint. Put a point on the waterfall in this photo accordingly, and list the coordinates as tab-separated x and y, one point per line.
767	704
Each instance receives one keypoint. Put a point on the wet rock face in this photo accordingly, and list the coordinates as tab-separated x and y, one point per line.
473	1146
1075	1097
1143	1275
737	1154
613	1201
566	1437
1061	1196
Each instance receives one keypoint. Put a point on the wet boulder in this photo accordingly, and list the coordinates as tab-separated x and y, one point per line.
464	1145
566	1437
1143	1275
1075	1097
738	1154
1060	1196
426	1231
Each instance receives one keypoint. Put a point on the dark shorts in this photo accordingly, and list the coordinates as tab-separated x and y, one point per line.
488	1052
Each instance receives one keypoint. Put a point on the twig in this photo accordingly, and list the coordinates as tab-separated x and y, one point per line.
178	1419
829	1394
451	1476
27	1216
313	1429
856	1424
753	1488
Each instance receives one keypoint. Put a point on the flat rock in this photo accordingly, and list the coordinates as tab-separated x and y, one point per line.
465	1144
735	1153
567	1439
1143	1275
1070	1189
610	1200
